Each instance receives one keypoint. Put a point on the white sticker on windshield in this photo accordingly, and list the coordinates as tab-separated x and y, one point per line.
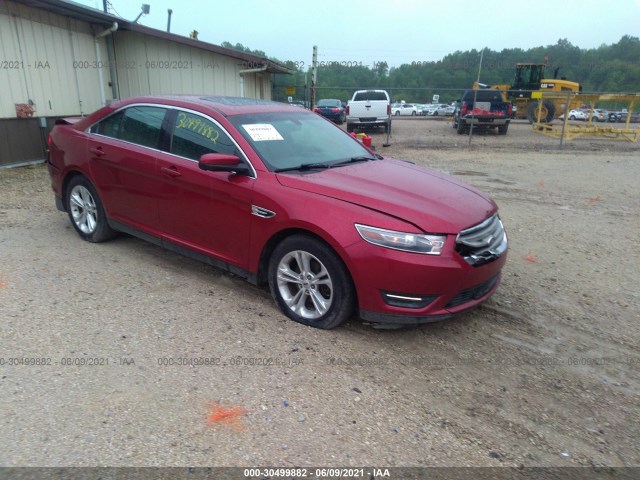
260	132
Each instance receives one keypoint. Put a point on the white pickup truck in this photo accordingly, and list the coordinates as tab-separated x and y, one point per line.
369	108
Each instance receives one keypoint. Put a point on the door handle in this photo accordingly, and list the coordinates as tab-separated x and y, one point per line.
97	151
171	171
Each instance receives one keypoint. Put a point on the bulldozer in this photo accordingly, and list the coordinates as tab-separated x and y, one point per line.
528	85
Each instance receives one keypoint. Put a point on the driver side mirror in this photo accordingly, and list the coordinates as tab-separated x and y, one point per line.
222	162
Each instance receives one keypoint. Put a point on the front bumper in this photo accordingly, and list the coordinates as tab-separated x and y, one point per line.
450	284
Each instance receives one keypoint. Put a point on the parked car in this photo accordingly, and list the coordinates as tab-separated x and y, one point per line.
430	108
622	116
577	114
444	110
406	109
598	115
332	109
281	197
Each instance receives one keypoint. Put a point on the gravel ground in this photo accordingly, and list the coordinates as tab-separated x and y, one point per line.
546	373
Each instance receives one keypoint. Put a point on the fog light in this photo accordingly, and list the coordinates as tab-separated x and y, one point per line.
407	300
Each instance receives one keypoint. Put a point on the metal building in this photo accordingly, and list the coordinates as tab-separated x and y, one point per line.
59	58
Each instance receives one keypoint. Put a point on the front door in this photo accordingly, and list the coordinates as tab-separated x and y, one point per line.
209	212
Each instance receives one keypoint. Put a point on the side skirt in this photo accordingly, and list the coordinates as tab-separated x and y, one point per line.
224	266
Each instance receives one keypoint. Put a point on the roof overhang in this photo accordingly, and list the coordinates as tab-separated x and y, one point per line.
77	11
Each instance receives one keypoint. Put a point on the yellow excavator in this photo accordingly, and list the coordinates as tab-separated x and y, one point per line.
527	87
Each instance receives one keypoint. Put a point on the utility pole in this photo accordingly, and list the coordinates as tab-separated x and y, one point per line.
475	96
314	76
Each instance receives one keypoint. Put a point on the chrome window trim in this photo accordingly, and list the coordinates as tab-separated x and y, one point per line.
254	174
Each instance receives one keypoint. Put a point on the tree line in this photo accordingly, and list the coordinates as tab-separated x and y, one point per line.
608	68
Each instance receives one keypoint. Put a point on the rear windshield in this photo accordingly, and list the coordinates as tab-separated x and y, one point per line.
370	95
329	103
483	95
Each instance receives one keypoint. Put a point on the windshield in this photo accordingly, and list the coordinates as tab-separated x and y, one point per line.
292	139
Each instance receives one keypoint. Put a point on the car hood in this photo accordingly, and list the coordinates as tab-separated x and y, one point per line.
432	201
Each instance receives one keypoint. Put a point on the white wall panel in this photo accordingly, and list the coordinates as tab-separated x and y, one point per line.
58	63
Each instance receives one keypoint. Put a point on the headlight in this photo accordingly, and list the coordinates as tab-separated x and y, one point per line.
408	242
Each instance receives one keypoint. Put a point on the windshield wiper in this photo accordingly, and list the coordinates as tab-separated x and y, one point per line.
362	158
303	167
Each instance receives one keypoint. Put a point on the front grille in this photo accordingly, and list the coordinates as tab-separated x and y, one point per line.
472	293
482	243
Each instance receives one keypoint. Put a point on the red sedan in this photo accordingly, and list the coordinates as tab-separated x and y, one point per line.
284	198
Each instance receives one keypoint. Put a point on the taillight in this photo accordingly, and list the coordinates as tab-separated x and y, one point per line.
464	109
335	110
509	109
347	110
49	141
316	110
388	109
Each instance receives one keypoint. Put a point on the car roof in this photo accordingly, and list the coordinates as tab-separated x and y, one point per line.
227	106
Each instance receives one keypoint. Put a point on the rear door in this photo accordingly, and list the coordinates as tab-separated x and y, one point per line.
209	212
123	149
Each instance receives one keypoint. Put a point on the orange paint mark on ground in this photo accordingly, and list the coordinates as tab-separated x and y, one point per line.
541	184
531	258
3	281
594	200
225	415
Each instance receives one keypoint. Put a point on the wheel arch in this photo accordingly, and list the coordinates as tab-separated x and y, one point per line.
276	238
70	175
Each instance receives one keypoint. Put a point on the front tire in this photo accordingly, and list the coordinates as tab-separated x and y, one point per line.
86	211
310	284
547	112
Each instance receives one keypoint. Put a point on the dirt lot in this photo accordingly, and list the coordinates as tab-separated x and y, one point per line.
546	373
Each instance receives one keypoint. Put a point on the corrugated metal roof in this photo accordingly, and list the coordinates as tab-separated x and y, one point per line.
92	15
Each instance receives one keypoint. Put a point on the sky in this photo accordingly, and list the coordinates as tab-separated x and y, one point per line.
395	31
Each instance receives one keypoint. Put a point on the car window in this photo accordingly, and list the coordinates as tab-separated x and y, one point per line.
110	126
195	135
139	125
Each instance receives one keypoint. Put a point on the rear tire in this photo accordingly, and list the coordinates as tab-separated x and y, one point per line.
86	211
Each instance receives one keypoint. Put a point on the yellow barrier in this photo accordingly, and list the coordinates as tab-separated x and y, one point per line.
570	131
